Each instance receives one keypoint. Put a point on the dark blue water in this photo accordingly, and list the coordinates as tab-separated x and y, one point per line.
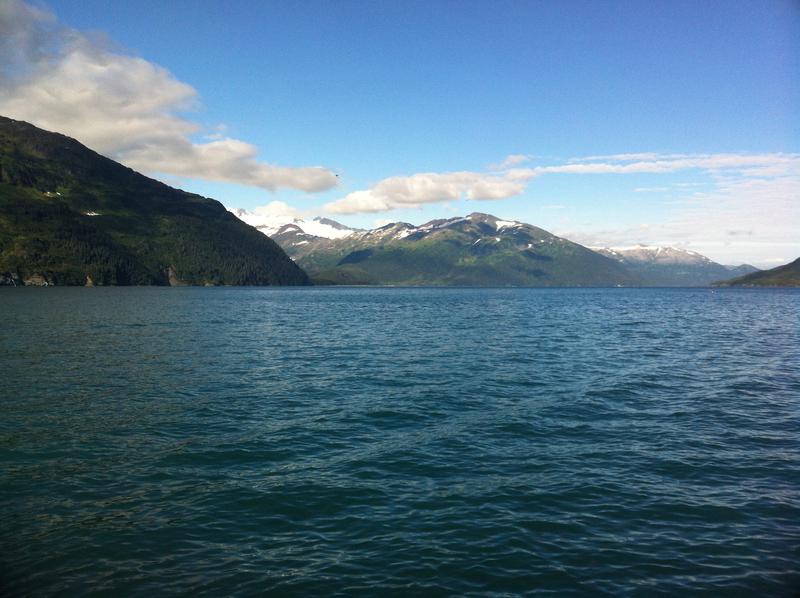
399	442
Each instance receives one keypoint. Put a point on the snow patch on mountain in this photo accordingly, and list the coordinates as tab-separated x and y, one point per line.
270	224
507	223
653	253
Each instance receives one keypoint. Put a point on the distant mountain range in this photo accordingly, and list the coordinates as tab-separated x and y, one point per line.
71	216
787	275
482	250
478	250
671	267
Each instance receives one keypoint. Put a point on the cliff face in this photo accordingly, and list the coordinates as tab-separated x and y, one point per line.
71	216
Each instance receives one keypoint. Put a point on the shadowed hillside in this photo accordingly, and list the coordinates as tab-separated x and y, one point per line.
787	275
69	216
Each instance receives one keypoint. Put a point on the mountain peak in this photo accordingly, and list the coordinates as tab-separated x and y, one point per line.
271	224
331	223
476	250
482	217
653	253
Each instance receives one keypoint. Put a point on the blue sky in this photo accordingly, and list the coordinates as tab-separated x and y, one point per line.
376	90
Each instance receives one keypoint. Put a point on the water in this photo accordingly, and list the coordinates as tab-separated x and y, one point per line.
399	442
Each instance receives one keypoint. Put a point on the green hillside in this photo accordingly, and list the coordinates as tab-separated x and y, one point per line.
479	250
69	216
787	275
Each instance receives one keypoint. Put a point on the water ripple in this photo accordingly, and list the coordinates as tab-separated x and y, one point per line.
400	442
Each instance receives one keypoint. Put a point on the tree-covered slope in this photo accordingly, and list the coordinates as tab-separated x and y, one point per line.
787	275
479	250
70	216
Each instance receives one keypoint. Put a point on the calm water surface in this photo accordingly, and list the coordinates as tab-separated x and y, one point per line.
399	442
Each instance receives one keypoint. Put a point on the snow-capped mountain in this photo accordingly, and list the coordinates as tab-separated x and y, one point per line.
476	250
650	254
671	266
270	224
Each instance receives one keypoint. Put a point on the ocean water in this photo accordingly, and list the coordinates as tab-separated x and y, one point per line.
399	442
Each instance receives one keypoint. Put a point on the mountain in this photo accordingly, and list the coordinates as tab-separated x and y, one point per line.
741	270
787	275
71	216
671	267
270	224
478	250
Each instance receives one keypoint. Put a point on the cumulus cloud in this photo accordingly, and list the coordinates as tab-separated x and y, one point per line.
122	106
428	187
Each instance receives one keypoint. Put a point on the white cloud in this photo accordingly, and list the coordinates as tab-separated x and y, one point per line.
742	219
621	157
510	161
749	210
752	164
122	106
277	209
424	188
430	187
